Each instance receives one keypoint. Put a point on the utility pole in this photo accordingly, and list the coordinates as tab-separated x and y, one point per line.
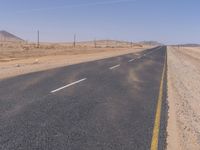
95	43
38	39
74	41
107	43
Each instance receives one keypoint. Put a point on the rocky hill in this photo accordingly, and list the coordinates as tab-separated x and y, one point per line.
8	37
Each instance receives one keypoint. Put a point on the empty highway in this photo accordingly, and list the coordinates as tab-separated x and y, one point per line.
110	104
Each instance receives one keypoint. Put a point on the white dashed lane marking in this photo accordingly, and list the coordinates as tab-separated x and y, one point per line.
68	85
139	57
131	60
114	67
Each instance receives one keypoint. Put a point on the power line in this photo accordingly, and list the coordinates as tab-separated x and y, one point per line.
78	5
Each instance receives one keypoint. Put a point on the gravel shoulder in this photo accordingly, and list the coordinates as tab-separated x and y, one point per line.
183	98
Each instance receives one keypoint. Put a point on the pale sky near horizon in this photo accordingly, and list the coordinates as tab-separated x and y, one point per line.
166	21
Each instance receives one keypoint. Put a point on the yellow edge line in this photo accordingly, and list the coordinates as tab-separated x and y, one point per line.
156	129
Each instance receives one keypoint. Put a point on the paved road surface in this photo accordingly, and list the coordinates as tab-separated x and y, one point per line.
108	104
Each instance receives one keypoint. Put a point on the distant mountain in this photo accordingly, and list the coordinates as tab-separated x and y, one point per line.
109	43
8	37
191	45
150	43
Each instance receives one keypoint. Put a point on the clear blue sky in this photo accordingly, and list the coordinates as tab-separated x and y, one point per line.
168	21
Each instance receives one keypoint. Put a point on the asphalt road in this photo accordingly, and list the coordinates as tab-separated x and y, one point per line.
108	104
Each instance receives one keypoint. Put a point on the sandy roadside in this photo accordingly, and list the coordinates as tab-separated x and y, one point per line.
23	66
183	97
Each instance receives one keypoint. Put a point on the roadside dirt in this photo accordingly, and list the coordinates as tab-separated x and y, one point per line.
184	98
15	62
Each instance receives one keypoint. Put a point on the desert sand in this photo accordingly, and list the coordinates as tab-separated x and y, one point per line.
22	58
184	98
